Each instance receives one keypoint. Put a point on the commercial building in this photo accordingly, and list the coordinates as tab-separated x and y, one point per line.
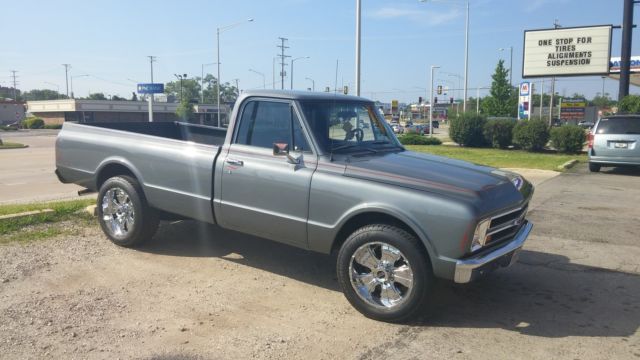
83	111
11	111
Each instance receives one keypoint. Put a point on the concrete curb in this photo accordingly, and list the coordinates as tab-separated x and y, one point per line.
26	213
568	165
14	147
91	210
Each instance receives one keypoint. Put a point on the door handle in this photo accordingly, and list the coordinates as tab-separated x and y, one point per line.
235	162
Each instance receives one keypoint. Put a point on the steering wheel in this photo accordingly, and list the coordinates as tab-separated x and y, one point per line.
358	133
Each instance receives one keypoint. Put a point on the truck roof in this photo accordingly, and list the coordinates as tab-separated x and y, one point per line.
300	95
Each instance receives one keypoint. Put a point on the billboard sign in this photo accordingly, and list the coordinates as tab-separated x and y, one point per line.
394	106
524	100
150	88
567	51
572	109
614	66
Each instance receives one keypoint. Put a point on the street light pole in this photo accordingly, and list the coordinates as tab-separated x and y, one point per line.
358	34
264	82
313	83
510	63
433	67
218	31
466	54
292	60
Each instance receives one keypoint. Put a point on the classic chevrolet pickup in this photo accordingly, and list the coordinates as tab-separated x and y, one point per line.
319	171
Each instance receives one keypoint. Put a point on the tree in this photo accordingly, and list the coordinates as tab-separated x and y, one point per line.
42	94
97	96
134	97
630	104
503	98
190	89
118	98
185	111
602	101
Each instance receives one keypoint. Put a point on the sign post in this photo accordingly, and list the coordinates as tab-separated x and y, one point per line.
150	88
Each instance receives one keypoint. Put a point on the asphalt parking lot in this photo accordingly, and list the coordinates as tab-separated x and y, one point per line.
27	175
196	291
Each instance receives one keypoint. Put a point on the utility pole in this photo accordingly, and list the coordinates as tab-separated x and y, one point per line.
151	60
282	47
274	74
541	98
433	67
625	56
66	76
15	84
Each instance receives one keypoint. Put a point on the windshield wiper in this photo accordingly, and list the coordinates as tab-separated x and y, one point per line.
350	146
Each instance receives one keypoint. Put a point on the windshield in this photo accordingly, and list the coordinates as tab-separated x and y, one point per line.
348	126
619	125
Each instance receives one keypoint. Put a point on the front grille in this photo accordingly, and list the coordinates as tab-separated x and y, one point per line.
505	226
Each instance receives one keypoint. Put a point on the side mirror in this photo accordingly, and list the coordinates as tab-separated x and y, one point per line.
282	149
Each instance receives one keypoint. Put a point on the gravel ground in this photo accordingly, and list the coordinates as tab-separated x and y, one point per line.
198	292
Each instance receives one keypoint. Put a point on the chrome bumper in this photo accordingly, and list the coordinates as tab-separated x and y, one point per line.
503	256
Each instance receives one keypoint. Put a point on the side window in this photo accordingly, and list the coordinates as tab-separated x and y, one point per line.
264	122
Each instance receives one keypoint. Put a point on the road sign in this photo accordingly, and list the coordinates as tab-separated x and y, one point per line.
150	88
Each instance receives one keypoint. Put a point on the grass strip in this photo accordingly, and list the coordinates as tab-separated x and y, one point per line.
501	158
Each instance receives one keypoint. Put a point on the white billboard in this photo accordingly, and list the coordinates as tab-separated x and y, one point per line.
567	51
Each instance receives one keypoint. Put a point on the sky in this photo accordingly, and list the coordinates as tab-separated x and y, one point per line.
401	39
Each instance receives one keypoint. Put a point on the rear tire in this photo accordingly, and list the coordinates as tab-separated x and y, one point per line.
594	167
123	212
384	273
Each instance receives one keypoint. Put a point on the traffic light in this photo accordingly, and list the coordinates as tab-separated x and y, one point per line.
435	100
420	100
451	100
439	89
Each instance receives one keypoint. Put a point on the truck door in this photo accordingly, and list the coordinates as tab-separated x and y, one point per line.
263	194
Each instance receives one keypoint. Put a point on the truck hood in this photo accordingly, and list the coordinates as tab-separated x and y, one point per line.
480	184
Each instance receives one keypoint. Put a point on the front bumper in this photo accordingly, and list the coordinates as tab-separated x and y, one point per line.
506	255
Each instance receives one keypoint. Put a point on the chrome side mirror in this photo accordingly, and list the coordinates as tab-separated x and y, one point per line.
282	149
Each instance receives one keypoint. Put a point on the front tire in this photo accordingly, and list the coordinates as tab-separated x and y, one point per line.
594	167
123	212
384	273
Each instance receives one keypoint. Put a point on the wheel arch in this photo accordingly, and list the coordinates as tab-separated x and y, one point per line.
380	216
115	167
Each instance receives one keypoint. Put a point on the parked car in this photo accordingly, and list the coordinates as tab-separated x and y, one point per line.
435	124
416	129
396	219
614	141
397	129
586	124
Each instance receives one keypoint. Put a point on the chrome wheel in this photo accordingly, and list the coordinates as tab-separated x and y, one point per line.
381	275
117	212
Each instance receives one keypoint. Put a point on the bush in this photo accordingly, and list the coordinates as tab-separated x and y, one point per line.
467	129
630	104
33	123
415	139
53	126
568	138
531	135
499	132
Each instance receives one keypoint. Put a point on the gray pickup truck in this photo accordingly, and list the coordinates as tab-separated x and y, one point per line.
319	171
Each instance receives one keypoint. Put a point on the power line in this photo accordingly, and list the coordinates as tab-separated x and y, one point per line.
282	56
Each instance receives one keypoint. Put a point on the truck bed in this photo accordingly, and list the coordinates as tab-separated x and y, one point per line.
201	134
172	161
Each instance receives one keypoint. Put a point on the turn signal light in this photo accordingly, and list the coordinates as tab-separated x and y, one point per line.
590	140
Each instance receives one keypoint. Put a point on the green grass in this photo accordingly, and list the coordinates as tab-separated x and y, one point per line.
40	226
501	158
11	145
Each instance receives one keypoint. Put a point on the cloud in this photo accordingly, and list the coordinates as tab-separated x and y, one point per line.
429	17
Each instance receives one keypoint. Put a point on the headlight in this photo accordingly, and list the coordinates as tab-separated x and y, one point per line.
480	235
515	179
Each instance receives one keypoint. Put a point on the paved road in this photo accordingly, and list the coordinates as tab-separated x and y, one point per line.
26	175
